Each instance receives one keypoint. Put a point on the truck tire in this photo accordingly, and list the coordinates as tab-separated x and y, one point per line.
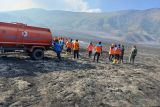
37	54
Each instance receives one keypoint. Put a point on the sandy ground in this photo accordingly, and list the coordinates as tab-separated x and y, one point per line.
80	83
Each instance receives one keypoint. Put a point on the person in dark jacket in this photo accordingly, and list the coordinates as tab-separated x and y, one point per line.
133	54
122	53
57	48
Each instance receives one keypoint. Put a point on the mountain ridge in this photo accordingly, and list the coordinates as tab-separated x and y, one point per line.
133	26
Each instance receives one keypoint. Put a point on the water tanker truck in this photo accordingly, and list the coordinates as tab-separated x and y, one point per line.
29	39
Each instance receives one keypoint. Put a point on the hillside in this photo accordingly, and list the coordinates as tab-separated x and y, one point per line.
137	26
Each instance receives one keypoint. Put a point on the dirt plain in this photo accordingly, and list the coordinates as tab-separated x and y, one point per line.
80	83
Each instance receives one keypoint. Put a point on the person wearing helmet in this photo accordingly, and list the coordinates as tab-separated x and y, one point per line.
133	54
98	52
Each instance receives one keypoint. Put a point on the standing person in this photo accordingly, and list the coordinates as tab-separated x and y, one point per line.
76	49
117	52
98	52
57	48
61	42
122	53
90	49
111	53
69	46
54	38
133	54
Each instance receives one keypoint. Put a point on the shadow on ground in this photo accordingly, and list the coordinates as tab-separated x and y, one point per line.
11	67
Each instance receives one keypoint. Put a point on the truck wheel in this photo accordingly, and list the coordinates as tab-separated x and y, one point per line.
37	54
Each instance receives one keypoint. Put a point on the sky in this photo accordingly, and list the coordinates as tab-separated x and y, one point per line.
79	5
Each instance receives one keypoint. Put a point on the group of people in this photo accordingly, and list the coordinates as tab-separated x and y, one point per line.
58	46
97	49
116	52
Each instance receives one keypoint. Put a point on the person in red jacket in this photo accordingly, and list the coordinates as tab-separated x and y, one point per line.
90	49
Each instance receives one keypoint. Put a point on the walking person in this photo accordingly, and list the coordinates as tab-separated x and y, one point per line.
76	49
111	53
57	48
90	49
117	52
69	45
98	52
133	54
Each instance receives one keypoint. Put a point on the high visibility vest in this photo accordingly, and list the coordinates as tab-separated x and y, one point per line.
69	45
111	51
75	46
117	51
90	47
99	48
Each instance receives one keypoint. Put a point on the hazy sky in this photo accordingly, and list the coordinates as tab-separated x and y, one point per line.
79	5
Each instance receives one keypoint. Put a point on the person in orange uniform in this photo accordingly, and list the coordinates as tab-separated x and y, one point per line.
98	52
69	46
90	49
117	52
76	49
111	53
